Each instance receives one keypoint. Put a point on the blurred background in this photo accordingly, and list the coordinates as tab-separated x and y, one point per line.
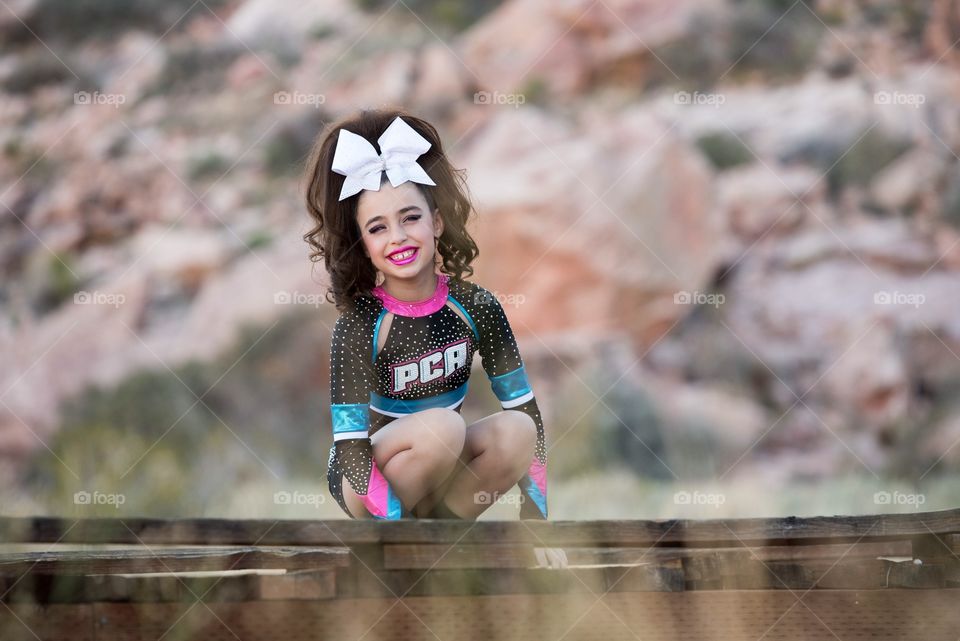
725	233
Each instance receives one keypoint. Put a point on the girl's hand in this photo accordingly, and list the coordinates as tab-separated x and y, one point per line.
550	557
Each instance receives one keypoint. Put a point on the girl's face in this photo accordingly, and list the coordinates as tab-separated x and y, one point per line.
398	230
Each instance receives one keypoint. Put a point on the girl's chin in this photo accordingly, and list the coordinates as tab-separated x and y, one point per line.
400	273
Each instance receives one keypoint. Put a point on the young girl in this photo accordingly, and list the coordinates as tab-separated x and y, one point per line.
391	216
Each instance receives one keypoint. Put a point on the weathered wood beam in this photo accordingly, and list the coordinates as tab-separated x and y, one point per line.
348	532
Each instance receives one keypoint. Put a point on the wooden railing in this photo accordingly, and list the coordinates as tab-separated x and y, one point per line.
824	577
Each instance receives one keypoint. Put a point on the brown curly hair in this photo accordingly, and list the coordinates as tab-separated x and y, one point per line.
336	236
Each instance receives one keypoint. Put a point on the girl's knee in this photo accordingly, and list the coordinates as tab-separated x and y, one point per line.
448	429
513	439
518	428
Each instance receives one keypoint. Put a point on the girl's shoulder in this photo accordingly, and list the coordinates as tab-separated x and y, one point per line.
467	293
364	309
477	299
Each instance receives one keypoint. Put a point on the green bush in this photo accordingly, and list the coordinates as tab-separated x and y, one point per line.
63	280
860	163
694	61
587	436
35	167
770	36
49	280
635	432
77	20
260	238
715	356
289	144
192	69
36	68
765	36
211	165
724	150
951	202
905	19
449	16
848	160
322	31
535	90
264	419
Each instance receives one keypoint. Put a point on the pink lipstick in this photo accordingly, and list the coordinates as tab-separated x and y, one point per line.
408	254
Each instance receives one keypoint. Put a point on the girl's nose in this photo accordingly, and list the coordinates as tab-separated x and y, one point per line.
398	235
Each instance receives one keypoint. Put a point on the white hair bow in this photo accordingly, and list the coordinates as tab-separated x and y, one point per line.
357	159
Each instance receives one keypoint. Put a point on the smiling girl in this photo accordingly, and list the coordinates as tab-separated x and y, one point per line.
390	217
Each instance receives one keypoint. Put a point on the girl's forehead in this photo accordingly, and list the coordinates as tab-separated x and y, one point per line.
388	200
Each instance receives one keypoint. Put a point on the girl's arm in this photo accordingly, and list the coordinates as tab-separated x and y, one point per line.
351	380
508	378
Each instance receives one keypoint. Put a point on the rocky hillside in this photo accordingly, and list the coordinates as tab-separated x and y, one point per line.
727	230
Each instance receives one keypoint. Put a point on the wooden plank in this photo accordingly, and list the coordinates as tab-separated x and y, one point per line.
932	545
171	560
29	622
57	589
664	576
299	585
734	555
800	551
645	533
440	556
695	574
701	572
860	574
364	583
233	587
825	615
121	588
867	574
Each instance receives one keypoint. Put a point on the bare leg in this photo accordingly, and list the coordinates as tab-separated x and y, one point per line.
498	450
415	453
425	506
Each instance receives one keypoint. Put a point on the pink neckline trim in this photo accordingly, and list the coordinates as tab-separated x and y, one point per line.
419	307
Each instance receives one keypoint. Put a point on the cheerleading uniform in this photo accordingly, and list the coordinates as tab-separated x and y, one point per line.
424	363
